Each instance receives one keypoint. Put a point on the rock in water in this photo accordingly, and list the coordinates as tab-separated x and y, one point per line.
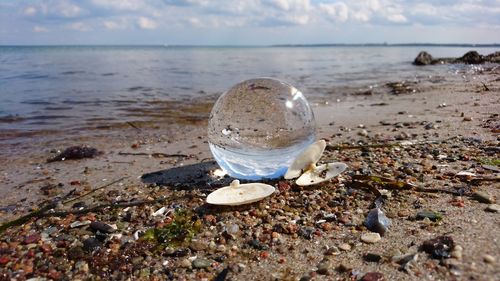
472	57
423	58
376	221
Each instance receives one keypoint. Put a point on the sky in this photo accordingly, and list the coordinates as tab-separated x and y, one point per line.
247	22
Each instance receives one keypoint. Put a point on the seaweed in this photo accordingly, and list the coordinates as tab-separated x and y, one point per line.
177	233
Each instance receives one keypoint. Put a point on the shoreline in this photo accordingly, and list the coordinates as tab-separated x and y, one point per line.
461	116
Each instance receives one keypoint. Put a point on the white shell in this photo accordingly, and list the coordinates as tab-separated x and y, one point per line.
310	155
239	194
321	173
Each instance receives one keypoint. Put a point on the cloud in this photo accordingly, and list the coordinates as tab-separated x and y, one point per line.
78	26
146	23
337	12
29	11
115	24
240	16
39	29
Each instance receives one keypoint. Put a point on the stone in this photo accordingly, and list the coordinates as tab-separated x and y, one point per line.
91	244
376	221
489	259
102	227
472	57
198	245
363	133
423	58
372	257
185	263
439	247
76	253
373	276
371	237
201	263
345	247
433	216
457	252
79	223
332	251
323	268
494	208
483	197
82	266
32	238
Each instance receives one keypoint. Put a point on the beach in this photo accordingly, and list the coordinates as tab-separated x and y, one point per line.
421	132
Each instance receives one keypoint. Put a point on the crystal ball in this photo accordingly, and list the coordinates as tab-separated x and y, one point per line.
258	127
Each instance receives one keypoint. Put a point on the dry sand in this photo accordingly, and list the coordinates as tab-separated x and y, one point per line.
463	118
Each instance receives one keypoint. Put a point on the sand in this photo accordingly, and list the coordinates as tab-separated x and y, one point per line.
459	114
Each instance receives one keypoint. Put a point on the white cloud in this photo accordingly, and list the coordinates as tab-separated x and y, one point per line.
146	23
39	29
289	5
338	12
29	11
78	26
130	5
114	24
397	18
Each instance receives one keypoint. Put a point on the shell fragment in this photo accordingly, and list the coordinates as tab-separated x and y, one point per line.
239	194
310	156
321	173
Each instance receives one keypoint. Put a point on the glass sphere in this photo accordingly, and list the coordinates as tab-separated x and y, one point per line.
258	127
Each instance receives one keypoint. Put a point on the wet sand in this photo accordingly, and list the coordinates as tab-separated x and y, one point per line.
456	123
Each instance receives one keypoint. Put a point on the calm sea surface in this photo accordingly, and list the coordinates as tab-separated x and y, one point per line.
54	88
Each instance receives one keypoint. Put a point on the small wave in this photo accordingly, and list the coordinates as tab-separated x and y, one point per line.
11	119
139	88
48	117
72	72
37	102
58	108
108	74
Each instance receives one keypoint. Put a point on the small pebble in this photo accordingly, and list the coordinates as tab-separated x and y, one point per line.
101	226
457	252
363	133
483	197
185	263
371	237
494	208
489	259
373	276
201	263
345	247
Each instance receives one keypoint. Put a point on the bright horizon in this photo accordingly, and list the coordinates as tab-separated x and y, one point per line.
248	23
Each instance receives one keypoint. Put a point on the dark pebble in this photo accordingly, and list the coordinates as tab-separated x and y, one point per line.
306	232
439	247
256	244
371	257
31	239
79	205
91	244
102	227
433	216
373	276
76	253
